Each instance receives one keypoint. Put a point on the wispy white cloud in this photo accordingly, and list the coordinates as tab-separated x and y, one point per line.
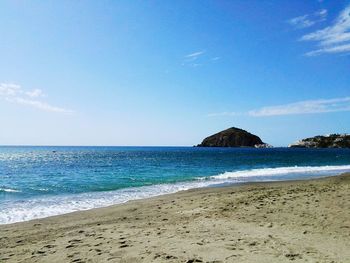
191	59
309	20
321	13
38	104
198	58
9	89
330	50
224	113
304	107
301	107
15	94
35	93
195	54
334	38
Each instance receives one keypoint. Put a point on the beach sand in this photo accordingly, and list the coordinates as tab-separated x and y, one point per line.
299	221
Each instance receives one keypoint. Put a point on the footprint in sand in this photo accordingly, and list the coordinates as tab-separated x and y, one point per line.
124	246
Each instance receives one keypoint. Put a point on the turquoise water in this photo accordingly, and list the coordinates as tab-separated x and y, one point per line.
37	182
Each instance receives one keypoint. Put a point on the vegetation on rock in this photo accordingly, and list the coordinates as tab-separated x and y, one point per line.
327	141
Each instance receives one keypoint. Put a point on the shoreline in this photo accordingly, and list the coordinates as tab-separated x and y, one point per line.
226	224
37	208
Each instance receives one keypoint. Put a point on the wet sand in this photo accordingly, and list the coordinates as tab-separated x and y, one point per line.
299	221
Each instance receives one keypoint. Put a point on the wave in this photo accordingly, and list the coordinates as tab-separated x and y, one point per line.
24	210
284	171
9	190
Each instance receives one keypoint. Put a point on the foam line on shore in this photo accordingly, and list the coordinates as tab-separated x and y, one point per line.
24	210
284	171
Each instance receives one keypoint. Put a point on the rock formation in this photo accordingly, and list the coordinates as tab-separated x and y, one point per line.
232	137
327	141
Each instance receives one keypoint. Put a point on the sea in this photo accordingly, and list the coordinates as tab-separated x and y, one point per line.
37	182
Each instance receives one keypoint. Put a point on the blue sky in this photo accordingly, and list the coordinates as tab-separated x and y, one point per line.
172	72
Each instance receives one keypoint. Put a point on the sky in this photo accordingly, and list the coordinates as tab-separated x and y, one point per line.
169	73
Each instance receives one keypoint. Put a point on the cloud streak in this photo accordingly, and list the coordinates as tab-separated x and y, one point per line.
224	113
296	108
305	21
14	93
191	60
332	39
304	107
195	54
215	58
198	58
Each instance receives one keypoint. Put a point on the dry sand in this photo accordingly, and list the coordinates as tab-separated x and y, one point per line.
300	221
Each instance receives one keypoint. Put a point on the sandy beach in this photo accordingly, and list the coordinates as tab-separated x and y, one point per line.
299	221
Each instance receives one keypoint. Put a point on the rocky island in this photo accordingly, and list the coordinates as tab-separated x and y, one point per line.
326	141
233	137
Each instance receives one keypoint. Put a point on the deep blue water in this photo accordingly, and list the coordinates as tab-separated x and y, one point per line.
42	181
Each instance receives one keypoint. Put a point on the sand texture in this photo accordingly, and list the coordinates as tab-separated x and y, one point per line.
300	221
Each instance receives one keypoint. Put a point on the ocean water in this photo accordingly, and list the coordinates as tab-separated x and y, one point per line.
37	182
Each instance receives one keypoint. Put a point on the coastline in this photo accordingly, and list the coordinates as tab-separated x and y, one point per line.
251	222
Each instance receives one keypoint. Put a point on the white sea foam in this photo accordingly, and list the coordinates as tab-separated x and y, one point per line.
24	210
9	190
44	207
303	170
